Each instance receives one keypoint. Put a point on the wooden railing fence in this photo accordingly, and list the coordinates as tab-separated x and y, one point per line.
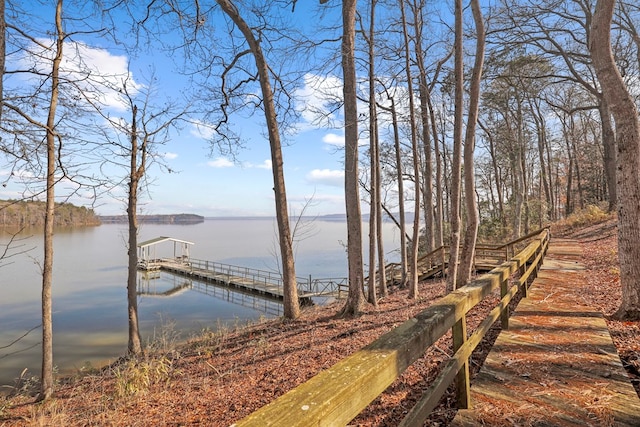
337	395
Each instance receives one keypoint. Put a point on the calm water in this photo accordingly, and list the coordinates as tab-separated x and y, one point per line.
89	290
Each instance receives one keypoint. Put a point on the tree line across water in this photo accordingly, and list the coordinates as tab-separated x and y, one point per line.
22	213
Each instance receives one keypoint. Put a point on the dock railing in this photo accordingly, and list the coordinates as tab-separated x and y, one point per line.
229	271
337	395
307	286
324	286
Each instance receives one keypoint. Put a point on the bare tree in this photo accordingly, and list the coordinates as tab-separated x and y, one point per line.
560	31
3	48
418	11
135	142
413	256
46	386
374	171
473	220
355	297
291	302
397	166
625	113
455	220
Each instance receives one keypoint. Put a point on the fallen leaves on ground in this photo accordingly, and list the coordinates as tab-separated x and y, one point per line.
225	376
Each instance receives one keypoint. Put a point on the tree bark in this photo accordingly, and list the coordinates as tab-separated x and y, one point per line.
457	152
438	214
609	146
290	298
423	93
355	297
46	385
413	258
625	113
374	159
400	178
473	216
135	174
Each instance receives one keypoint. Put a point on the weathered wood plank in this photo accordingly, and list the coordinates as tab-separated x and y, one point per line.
557	364
337	395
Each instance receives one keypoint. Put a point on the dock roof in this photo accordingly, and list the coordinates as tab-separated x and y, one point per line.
160	240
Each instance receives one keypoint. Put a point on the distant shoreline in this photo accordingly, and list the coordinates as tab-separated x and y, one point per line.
328	217
154	219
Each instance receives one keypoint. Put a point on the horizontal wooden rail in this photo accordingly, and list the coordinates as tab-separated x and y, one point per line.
337	395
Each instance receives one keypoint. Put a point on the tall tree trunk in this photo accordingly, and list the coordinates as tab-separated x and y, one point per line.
625	113
438	215
423	92
541	133
473	216
525	189
135	173
413	258
457	151
290	298
400	178
375	164
575	149
520	168
3	50
46	385
609	145
382	277
568	207
355	297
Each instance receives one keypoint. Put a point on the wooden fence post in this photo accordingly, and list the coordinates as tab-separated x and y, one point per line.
504	316
459	332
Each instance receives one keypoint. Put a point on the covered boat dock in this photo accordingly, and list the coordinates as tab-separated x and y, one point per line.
147	250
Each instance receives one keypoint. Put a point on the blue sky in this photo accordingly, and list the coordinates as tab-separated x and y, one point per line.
207	183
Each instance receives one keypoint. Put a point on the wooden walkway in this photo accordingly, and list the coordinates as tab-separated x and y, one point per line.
556	365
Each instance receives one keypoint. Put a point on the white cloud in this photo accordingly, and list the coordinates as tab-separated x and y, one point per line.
170	156
319	98
97	73
267	164
333	139
203	130
329	177
220	162
18	174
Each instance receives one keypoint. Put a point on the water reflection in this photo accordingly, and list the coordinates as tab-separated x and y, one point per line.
90	295
150	284
162	284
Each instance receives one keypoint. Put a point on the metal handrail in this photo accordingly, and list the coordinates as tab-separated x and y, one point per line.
306	285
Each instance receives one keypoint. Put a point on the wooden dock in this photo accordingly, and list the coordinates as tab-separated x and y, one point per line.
237	277
556	365
271	285
265	283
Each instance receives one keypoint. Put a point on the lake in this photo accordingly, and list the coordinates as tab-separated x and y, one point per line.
89	288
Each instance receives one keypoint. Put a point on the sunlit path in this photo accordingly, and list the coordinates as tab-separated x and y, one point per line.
556	364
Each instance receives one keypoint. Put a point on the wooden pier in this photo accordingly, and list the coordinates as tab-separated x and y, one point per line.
262	282
271	284
266	283
257	281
